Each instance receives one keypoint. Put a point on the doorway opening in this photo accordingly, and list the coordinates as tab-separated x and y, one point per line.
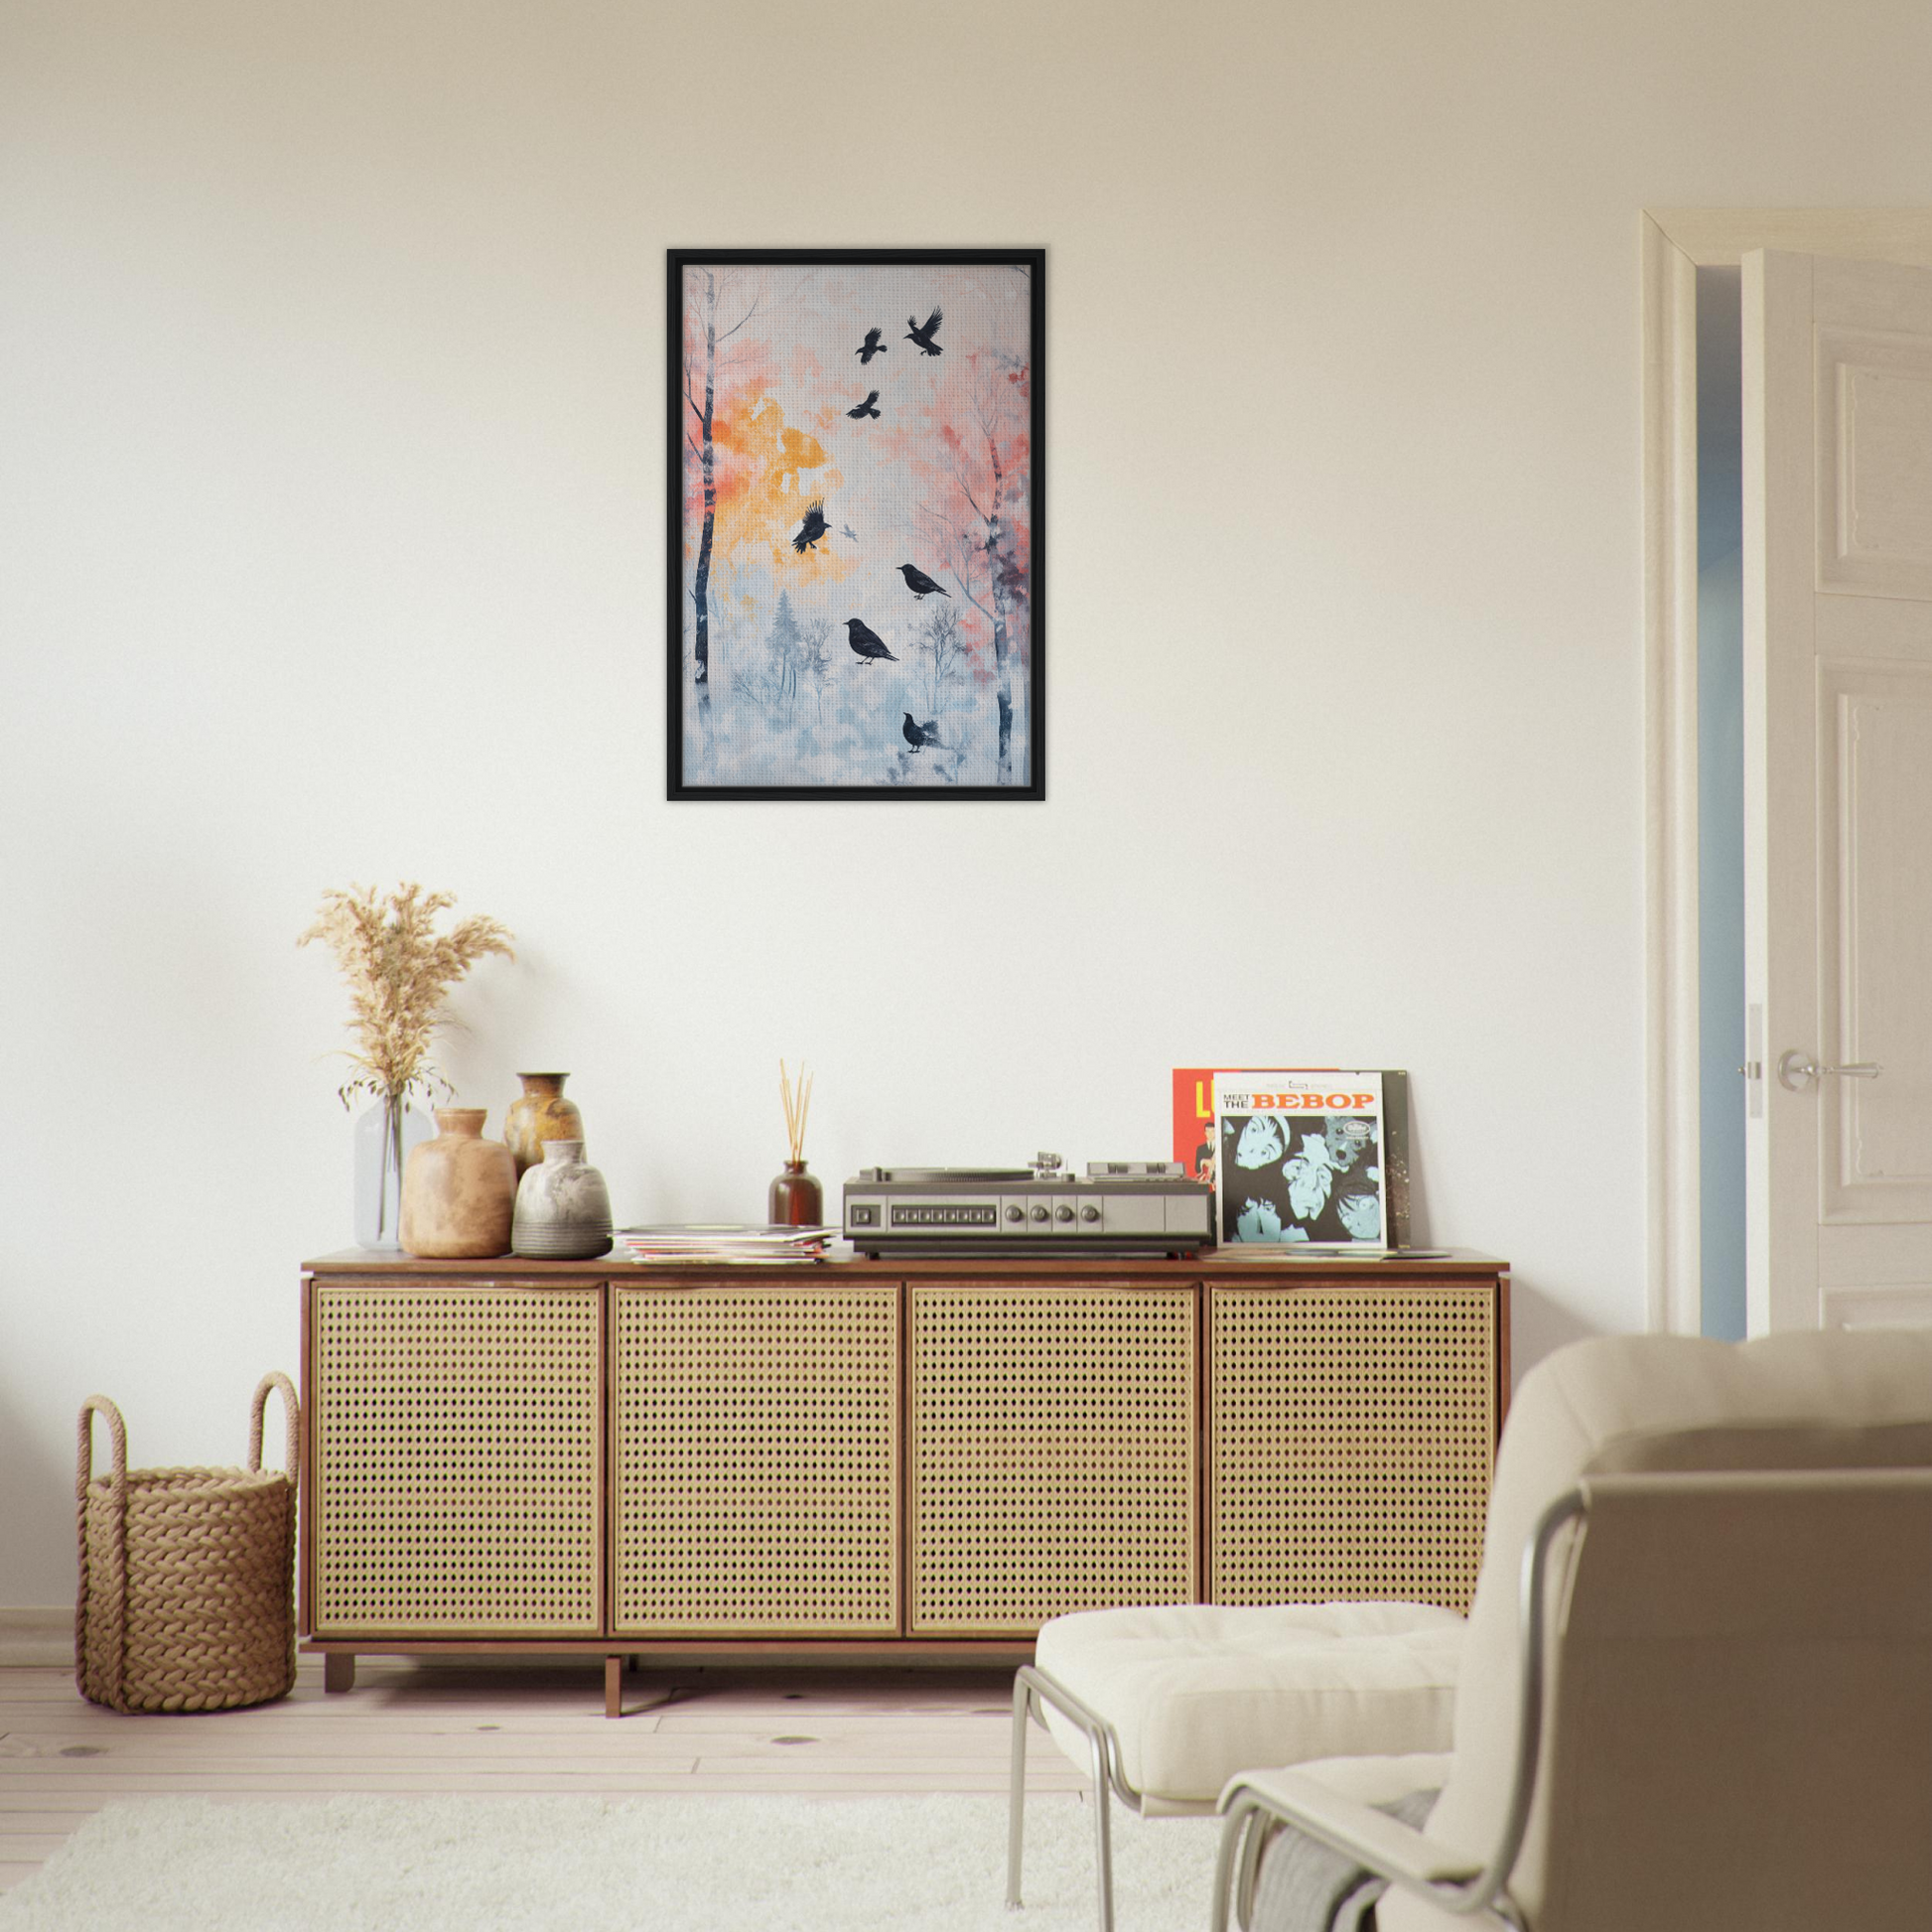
1720	800
1693	1048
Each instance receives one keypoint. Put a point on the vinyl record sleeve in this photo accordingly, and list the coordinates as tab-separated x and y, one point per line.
1196	1145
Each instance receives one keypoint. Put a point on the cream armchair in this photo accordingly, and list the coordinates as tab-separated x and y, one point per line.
1696	1692
1163	1706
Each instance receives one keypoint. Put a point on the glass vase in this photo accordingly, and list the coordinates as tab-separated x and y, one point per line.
384	1134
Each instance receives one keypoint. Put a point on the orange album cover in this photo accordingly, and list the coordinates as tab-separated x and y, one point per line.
1193	1112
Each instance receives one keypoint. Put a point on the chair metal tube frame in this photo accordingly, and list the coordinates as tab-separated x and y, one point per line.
1030	1689
1251	1815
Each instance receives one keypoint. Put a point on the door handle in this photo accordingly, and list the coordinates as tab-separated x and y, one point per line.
1797	1071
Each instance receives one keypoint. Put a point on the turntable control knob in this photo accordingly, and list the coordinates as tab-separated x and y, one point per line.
1039	1214
1089	1213
1015	1212
1064	1212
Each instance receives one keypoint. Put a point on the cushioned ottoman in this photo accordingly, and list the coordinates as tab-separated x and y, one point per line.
1197	1692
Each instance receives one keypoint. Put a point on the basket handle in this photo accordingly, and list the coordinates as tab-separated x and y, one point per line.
290	1409
117	1433
112	1641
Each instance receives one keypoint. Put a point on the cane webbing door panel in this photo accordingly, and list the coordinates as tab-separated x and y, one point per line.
1053	1465
457	1459
1350	1439
756	1455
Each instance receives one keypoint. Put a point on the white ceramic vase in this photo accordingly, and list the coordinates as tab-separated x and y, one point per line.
563	1208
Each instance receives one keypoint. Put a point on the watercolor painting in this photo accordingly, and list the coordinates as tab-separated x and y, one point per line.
855	525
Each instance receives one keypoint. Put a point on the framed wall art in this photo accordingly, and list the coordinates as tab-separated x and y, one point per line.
855	524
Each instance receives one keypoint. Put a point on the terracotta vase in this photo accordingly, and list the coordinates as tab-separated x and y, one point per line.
540	1114
796	1199
563	1208
458	1190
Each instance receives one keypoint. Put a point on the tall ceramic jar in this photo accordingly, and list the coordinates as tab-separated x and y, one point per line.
458	1190
539	1114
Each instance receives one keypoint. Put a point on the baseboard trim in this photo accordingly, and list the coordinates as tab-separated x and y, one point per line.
39	1635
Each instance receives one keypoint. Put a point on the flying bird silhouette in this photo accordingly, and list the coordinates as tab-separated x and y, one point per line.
815	528
918	734
923	336
870	348
849	533
919	583
868	643
866	408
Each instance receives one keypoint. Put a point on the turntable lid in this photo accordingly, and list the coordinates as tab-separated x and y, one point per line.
939	1176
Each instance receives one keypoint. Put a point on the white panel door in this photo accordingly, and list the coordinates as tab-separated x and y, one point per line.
1838	777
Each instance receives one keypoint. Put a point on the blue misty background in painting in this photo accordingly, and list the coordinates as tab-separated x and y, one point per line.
858	527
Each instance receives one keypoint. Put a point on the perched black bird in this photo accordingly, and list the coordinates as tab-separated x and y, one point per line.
815	528
850	534
868	643
919	583
871	346
866	408
923	337
918	734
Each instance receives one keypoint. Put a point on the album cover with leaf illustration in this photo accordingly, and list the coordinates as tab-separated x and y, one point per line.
1315	1155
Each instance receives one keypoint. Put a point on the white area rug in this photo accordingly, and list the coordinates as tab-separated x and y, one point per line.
765	1863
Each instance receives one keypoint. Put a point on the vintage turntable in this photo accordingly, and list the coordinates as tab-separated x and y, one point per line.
1127	1207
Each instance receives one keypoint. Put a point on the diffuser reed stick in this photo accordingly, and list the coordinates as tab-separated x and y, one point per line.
797	1104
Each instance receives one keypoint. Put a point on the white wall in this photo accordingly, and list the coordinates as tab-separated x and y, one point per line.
331	371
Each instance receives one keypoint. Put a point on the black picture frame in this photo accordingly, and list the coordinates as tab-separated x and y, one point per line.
726	680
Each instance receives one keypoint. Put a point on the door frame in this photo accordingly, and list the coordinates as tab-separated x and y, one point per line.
1675	243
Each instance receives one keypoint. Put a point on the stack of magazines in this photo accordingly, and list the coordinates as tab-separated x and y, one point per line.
736	1242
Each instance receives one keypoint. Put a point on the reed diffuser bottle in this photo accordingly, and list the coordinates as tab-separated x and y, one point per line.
796	1199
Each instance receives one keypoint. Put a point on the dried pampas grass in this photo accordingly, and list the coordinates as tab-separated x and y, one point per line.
398	969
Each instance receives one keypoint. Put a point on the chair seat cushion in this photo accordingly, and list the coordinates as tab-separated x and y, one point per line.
1197	1692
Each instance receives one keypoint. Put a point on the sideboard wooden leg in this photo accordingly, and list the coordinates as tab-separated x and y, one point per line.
338	1670
614	1687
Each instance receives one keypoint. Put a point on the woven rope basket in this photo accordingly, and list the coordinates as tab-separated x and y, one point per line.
187	1576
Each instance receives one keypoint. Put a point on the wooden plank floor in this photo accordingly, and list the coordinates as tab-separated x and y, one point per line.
509	1727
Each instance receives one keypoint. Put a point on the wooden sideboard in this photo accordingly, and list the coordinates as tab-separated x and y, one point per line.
879	1459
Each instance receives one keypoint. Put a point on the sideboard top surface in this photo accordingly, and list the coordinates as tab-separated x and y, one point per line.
1215	1265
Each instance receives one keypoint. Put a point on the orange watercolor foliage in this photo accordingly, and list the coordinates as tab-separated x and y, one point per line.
767	472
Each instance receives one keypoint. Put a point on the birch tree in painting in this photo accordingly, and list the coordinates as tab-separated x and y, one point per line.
701	589
983	456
